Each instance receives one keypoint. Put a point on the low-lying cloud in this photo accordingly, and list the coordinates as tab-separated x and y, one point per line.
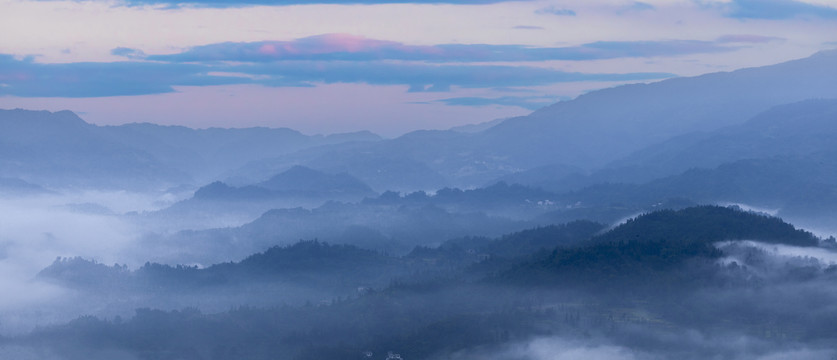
642	343
37	230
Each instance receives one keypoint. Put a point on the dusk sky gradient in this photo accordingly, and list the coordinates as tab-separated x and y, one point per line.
386	66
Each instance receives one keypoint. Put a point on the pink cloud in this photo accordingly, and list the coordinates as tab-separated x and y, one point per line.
345	47
325	44
347	43
268	49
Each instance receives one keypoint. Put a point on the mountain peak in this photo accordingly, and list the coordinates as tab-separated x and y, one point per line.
41	117
825	53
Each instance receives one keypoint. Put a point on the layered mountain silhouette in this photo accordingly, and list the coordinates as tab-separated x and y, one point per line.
588	132
296	182
60	150
796	129
604	125
219	204
799	132
300	179
614	237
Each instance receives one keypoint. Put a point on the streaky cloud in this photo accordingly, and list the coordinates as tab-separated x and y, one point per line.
346	47
776	9
528	27
129	53
748	38
554	10
640	6
27	78
244	3
429	77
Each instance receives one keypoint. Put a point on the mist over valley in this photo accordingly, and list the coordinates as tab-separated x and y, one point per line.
690	217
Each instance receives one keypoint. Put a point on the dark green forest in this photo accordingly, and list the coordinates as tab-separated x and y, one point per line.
575	280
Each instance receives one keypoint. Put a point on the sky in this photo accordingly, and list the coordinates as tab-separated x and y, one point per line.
388	66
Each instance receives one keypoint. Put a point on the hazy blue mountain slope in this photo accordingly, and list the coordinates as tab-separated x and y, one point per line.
509	201
588	132
60	149
303	180
218	191
603	125
208	152
552	177
472	128
381	170
394	228
219	205
796	129
795	186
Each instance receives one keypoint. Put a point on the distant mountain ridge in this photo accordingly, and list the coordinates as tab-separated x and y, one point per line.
61	150
599	126
296	182
306	180
791	131
796	129
588	132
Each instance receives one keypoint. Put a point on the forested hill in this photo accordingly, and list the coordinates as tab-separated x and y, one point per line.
654	249
707	224
307	256
656	272
307	263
